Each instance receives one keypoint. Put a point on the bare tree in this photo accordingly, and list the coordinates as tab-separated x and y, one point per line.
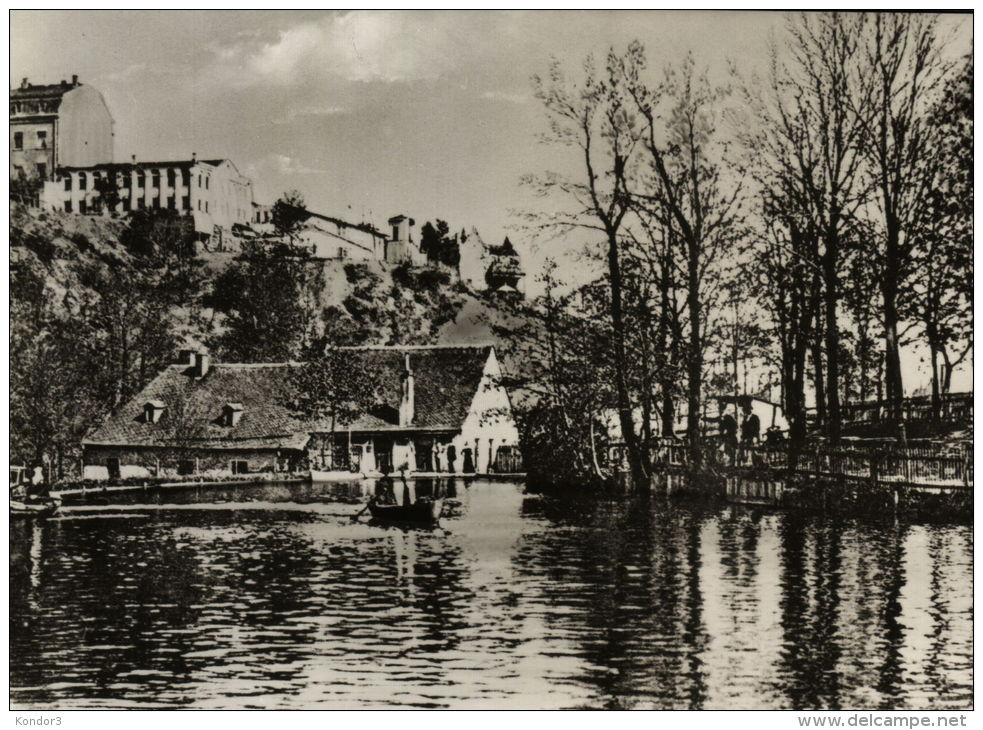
806	145
689	177
593	117
902	58
940	297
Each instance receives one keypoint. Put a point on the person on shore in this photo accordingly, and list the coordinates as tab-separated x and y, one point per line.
38	487
468	465
451	457
728	433
774	436
750	428
436	457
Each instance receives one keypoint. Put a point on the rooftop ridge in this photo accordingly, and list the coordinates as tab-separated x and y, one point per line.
463	345
352	348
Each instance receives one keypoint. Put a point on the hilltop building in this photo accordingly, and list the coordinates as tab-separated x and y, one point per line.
57	125
197	417
212	192
401	247
327	237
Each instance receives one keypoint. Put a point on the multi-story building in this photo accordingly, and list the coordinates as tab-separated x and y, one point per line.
58	125
212	192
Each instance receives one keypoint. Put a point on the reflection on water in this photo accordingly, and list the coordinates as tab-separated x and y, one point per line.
515	601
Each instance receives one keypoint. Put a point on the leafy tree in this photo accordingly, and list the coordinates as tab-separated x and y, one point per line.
438	245
26	188
289	213
85	348
263	298
107	187
336	385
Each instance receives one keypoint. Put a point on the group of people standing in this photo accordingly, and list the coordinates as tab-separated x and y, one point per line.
444	458
750	430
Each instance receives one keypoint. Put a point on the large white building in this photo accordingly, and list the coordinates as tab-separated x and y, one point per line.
212	192
55	125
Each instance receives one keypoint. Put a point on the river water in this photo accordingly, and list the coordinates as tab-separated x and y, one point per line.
269	597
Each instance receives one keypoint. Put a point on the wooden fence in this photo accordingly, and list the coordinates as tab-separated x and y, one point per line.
917	467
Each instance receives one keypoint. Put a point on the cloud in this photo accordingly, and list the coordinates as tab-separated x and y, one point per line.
362	46
505	96
281	165
308	113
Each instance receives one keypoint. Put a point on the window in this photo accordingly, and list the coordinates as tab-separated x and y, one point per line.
83	183
395	233
141	204
127	181
206	182
68	206
42	171
18	140
170	177
206	206
43	140
186	202
185	467
141	179
83	207
342	252
185	177
170	202
155	178
199	205
239	466
155	203
112	466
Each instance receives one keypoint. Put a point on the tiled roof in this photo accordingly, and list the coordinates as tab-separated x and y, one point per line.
445	381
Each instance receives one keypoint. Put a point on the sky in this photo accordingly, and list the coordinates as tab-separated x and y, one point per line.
368	113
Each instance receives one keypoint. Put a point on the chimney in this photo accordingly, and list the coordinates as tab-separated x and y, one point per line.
407	397
202	362
23	83
194	157
133	158
75	79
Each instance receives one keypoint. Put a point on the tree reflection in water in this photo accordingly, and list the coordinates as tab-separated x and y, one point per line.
515	601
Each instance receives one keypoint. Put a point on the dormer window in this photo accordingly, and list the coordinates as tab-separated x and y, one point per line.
231	413
153	410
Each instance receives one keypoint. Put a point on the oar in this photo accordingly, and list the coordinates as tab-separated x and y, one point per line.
361	511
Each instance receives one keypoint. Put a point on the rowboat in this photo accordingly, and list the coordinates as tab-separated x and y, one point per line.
424	511
38	508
